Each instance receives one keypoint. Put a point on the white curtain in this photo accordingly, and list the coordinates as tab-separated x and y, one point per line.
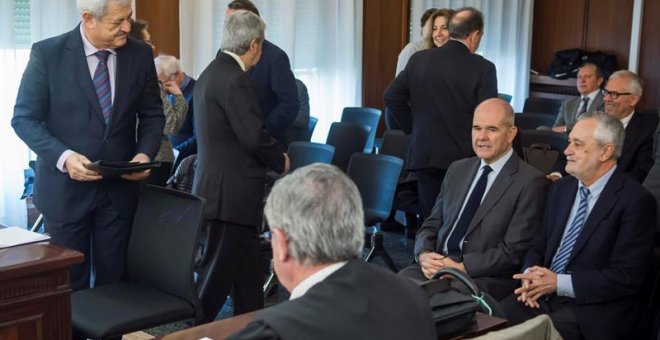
323	39
21	23
507	41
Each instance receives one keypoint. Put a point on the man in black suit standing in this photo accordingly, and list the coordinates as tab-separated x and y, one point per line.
317	225
622	93
586	267
234	152
80	99
434	99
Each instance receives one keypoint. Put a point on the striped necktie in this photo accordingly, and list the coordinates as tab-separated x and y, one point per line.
102	84
562	255
585	105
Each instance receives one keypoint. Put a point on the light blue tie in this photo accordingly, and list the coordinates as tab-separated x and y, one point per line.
562	255
102	84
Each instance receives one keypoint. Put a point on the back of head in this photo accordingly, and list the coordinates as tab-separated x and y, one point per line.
426	16
245	5
167	65
240	29
98	7
320	210
466	21
137	27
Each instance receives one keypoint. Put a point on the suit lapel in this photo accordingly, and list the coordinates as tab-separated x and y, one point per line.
632	134
606	201
76	53
462	185
121	92
497	189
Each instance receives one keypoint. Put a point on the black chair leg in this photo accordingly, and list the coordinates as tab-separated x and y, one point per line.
377	249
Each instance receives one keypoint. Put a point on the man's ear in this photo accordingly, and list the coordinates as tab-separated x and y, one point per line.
608	152
87	17
279	244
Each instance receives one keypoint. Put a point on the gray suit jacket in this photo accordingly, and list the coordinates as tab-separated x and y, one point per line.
568	110
502	228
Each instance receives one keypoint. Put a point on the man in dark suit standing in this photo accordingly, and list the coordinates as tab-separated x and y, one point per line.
622	93
275	83
234	153
585	269
317	226
80	98
434	98
588	83
484	236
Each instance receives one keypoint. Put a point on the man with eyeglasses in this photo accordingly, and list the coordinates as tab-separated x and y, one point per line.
621	94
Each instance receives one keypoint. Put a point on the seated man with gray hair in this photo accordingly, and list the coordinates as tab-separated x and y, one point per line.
317	225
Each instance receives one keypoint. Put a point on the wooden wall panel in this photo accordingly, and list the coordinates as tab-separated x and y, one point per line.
608	28
649	67
385	33
558	25
163	18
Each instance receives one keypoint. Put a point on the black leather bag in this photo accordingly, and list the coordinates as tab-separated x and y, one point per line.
453	311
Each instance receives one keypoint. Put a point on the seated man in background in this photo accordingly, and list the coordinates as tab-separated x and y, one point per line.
488	209
589	81
585	269
317	225
622	93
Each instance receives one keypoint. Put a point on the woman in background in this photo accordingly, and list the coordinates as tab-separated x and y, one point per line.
440	28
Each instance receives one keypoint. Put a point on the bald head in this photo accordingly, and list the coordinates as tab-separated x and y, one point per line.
493	129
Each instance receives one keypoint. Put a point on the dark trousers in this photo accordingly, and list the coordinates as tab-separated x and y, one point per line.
429	182
233	266
101	235
559	309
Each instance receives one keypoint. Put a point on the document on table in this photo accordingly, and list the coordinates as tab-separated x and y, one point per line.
14	236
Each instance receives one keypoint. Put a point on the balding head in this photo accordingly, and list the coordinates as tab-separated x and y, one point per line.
493	129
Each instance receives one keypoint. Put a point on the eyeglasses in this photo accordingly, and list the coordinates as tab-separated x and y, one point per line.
615	94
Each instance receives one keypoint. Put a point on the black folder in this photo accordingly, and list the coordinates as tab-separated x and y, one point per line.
116	169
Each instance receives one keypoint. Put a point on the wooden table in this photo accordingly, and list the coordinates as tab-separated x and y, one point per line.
35	292
223	328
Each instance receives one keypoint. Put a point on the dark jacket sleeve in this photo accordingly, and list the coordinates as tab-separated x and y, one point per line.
283	85
397	96
255	330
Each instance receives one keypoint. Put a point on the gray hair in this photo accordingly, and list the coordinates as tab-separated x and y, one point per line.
320	210
240	29
167	65
98	7
609	130
635	83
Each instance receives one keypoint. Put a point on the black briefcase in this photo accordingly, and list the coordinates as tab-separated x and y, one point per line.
453	311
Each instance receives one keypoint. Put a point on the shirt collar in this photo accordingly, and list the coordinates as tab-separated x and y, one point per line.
498	164
627	119
597	187
462	42
89	48
313	279
592	95
237	58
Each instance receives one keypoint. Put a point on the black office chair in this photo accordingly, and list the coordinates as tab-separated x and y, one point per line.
305	153
531	121
540	146
366	116
376	177
542	105
311	125
347	138
160	288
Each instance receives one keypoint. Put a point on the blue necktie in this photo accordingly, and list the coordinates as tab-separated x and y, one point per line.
562	255
473	203
102	84
583	109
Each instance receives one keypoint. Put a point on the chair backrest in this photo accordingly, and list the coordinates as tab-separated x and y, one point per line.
542	105
347	138
376	177
544	149
311	124
366	116
394	144
305	153
531	121
556	141
163	241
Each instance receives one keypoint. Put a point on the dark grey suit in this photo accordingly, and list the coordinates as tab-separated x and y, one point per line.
502	227
652	181
568	110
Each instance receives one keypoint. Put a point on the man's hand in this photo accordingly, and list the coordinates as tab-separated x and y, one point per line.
537	282
431	262
449	263
172	87
74	165
287	163
142	175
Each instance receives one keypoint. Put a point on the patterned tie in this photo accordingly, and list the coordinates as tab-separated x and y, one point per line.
102	84
562	255
583	109
473	203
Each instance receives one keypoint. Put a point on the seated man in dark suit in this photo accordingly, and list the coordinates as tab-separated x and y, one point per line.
317	225
484	225
589	80
622	93
586	267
